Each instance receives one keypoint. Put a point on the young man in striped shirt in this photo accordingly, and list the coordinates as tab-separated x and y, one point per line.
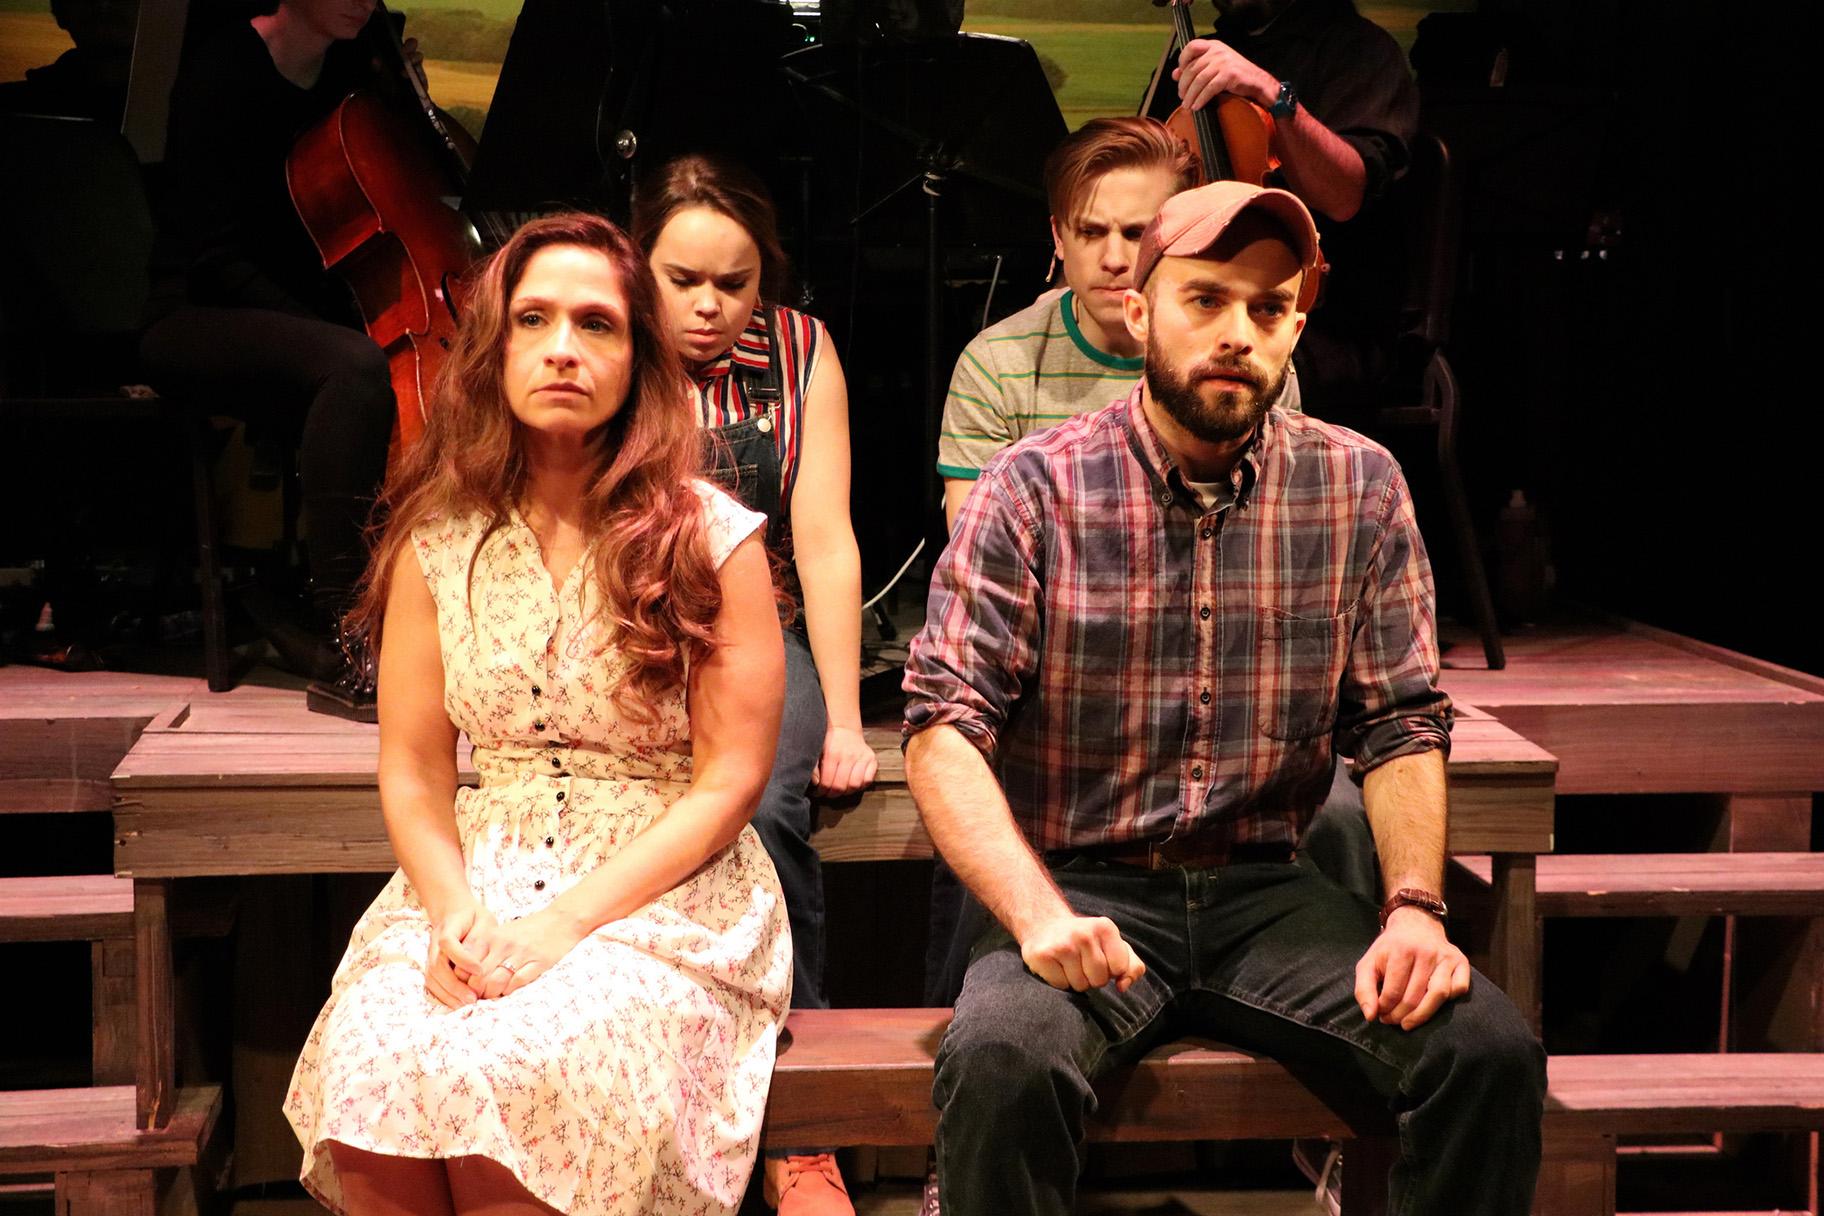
1153	625
1070	351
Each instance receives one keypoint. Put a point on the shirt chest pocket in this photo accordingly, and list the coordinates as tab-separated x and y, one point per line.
1299	663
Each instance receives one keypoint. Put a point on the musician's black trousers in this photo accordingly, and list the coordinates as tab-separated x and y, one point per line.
321	385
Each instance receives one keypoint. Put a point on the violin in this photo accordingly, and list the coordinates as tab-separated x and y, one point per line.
370	182
1231	137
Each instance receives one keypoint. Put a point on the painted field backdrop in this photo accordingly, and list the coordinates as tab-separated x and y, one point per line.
1103	63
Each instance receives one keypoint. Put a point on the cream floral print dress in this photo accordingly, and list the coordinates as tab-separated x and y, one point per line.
632	1076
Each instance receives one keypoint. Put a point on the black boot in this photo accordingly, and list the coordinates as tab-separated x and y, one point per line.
350	694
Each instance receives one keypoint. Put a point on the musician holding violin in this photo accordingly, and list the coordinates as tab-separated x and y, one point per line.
1343	110
245	319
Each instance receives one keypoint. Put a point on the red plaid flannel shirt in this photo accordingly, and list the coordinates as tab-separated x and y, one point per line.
1138	667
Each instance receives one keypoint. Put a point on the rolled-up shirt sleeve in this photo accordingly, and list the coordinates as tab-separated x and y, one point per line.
1390	703
1368	98
970	664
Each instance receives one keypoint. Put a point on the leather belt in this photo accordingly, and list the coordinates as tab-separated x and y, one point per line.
1191	853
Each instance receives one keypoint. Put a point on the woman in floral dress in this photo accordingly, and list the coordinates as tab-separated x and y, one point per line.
567	998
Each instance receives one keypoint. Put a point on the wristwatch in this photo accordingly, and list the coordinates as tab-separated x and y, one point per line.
1286	104
1412	897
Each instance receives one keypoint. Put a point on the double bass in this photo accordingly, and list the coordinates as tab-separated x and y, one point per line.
370	182
1232	137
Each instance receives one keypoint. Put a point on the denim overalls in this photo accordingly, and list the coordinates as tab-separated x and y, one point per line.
743	458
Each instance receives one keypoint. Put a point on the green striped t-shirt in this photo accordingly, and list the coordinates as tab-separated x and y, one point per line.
1033	370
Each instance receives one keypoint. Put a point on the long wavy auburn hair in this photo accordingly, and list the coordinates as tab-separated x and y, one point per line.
642	519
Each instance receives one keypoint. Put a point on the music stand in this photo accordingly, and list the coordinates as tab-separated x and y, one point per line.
592	93
963	123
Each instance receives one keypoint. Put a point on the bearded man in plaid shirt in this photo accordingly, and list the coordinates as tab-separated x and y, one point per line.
1151	628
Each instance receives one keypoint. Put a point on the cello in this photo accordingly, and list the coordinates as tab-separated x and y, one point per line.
370	186
1231	137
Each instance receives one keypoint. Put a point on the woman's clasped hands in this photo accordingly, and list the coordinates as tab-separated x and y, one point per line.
475	957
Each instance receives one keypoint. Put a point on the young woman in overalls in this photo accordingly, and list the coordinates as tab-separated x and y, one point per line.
770	385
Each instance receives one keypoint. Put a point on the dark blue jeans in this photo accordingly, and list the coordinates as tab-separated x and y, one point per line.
1262	956
783	820
1337	841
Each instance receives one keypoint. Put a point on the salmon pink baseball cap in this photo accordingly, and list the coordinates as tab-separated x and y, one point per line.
1189	223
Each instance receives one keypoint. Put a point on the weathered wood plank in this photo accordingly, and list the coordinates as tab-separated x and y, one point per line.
42	692
297	829
864	1077
1673	884
284	830
107	1193
1514	947
155	1070
54	795
67	908
1639	1094
1683	748
48	1130
113	1013
1576	1175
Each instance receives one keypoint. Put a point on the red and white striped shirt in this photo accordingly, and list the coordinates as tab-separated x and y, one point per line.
722	396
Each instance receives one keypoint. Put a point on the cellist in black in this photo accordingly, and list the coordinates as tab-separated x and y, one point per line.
244	317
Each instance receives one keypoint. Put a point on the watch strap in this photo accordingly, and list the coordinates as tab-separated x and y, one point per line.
1286	104
1413	897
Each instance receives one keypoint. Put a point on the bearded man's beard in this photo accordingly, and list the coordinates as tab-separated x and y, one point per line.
1227	416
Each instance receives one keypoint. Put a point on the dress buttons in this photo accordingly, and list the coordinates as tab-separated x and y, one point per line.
539	885
537	691
550	842
1204	696
1165	498
556	763
1203	613
538	726
1196	772
1206	534
560	795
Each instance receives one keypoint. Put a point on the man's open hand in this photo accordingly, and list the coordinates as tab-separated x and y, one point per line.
1078	953
1409	971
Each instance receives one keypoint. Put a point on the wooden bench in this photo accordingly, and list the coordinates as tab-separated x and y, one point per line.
89	1139
863	1076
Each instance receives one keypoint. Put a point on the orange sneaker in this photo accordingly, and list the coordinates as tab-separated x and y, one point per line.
807	1186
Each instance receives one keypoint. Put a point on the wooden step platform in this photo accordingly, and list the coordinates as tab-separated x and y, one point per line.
103	1163
1671	884
1594	1099
1630	709
66	908
62	733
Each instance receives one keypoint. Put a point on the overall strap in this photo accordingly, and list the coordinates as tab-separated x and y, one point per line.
766	388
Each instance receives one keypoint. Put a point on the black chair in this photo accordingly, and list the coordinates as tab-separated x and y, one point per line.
76	237
1434	231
